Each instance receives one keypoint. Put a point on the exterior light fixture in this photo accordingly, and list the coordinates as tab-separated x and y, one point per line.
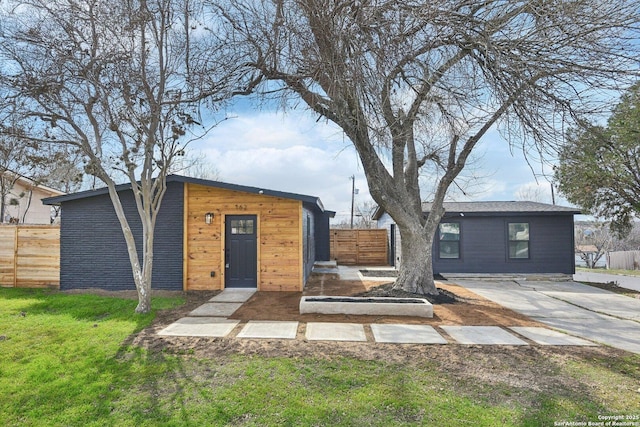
208	217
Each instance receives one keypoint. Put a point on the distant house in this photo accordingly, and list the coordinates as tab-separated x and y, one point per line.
497	237
23	203
210	235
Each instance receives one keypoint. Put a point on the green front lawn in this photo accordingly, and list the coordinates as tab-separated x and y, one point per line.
61	355
65	360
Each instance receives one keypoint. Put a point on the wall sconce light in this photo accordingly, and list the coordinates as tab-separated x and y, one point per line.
208	217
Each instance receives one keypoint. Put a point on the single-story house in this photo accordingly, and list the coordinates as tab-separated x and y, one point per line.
496	237
209	235
23	203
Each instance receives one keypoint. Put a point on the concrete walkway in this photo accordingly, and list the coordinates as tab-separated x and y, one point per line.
211	320
629	282
580	310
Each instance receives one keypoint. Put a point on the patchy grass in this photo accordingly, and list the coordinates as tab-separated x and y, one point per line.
68	360
610	271
607	380
624	272
342	392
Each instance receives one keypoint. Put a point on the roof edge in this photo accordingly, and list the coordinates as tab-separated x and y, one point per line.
311	200
29	181
550	209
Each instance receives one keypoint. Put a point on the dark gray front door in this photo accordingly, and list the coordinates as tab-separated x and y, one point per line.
241	251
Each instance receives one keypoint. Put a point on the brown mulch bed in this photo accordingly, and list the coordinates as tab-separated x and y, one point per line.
387	290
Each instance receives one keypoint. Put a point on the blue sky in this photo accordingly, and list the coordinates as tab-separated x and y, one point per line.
290	151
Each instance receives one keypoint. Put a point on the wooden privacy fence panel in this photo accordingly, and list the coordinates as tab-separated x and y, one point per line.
30	256
624	260
359	247
7	255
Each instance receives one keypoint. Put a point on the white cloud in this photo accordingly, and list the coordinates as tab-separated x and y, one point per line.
491	189
289	153
272	129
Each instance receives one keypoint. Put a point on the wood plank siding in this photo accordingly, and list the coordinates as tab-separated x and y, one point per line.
280	248
30	256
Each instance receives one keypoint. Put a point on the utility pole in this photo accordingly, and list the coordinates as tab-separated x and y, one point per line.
353	193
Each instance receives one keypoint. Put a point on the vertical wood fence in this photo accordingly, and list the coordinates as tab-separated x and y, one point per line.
624	260
359	247
30	256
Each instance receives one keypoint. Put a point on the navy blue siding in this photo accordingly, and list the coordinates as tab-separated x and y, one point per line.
322	236
484	246
308	241
93	250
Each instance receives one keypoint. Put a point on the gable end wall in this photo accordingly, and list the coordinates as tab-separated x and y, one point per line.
280	238
93	250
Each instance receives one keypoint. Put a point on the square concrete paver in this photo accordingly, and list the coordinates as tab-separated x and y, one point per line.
269	329
482	335
544	336
234	295
406	334
216	309
317	331
200	327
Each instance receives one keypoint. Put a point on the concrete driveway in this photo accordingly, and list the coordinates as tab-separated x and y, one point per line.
571	307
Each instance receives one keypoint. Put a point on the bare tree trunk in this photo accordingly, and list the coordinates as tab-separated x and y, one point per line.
144	288
26	209
141	273
416	269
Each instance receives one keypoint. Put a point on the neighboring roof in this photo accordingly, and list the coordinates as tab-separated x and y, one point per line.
503	207
587	248
31	183
309	200
492	208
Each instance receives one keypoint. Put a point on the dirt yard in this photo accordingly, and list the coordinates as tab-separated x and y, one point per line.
469	309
